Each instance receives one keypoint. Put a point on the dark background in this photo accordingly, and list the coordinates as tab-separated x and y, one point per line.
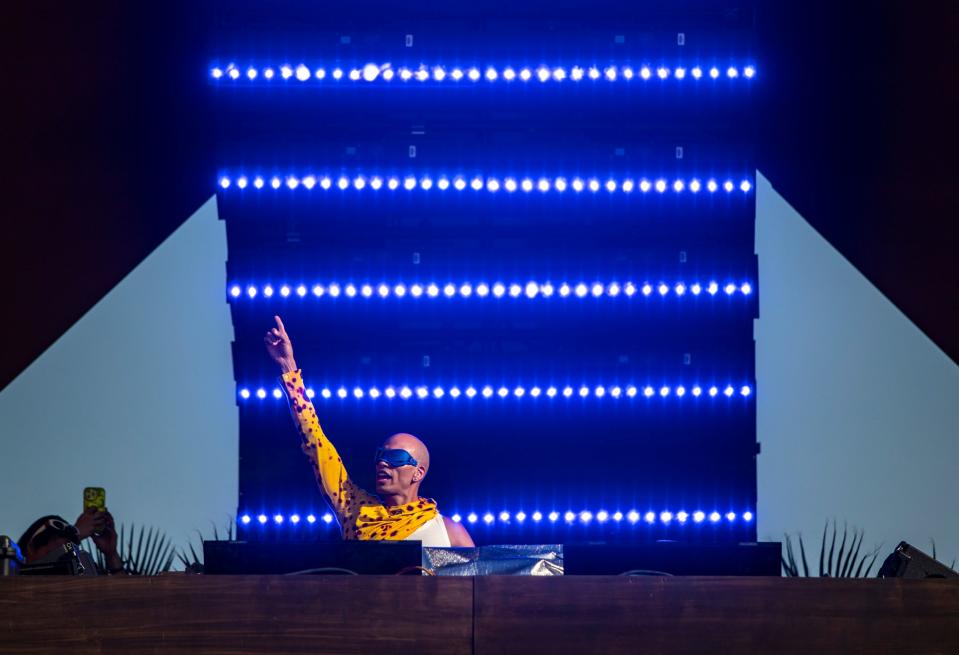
109	147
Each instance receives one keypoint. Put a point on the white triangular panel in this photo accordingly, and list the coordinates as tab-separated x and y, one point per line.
137	397
858	409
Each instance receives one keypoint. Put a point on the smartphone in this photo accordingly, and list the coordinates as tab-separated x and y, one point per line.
95	497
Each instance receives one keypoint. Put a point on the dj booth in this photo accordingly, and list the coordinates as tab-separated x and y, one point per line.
483	614
359	597
399	557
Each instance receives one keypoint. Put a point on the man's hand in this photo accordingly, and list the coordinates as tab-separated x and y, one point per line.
279	346
90	522
106	538
99	526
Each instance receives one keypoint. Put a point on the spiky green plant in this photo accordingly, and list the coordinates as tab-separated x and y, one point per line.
847	563
192	562
951	566
144	551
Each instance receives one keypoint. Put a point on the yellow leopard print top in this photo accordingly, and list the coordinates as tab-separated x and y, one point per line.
360	514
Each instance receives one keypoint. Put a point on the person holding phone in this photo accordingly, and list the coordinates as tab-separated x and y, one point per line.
47	537
397	511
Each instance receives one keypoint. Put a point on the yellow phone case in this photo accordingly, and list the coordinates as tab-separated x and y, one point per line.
95	497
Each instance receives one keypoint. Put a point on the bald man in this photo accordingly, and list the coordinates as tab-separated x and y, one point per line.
396	511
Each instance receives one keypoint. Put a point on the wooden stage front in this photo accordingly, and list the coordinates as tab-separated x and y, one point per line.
497	614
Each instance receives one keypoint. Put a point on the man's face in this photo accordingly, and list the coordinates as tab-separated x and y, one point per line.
398	479
393	480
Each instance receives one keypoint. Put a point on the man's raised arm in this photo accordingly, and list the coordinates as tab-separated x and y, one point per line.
344	496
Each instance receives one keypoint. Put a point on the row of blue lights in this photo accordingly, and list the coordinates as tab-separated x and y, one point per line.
385	72
681	517
480	183
497	290
487	391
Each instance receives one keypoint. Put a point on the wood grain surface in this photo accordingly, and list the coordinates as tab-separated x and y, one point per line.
715	615
233	615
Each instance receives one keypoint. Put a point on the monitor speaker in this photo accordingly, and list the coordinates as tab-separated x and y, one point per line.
910	562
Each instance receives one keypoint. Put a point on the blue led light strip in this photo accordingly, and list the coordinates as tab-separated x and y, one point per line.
469	392
508	185
632	517
529	290
385	72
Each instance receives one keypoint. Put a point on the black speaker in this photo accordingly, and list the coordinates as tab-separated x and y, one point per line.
910	562
330	557
672	558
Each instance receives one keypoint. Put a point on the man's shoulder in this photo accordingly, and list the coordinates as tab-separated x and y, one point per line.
459	536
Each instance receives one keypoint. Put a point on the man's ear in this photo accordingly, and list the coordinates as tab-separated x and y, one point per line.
422	474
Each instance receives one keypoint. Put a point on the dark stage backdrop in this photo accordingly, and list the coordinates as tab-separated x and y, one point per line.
109	139
659	359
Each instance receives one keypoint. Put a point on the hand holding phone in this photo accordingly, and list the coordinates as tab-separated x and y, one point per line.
91	523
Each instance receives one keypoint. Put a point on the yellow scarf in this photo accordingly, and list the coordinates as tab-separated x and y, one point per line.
379	522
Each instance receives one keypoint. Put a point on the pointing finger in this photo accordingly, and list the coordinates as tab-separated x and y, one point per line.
279	324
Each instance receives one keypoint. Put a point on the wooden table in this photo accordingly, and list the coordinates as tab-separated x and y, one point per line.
497	614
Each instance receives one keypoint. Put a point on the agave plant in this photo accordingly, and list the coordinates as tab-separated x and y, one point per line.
847	563
192	562
144	551
951	566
